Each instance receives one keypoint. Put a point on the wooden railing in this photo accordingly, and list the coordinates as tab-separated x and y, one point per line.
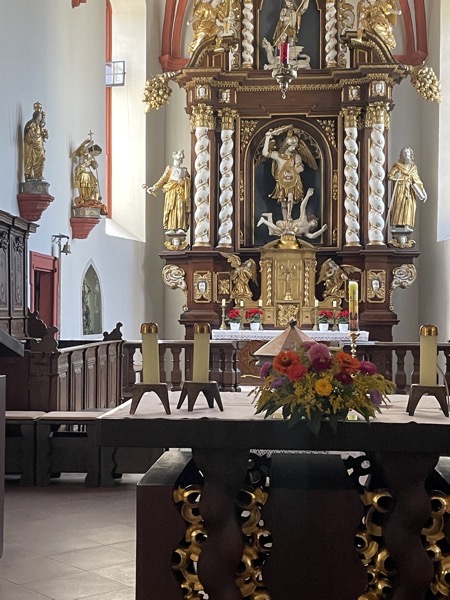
175	364
400	362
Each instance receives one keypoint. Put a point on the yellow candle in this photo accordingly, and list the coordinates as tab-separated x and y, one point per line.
200	371
428	355
150	353
353	305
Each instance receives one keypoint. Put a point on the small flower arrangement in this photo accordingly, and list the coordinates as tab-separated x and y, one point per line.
254	315
234	316
325	316
342	317
312	383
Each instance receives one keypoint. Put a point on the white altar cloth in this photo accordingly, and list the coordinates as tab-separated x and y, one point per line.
239	406
269	334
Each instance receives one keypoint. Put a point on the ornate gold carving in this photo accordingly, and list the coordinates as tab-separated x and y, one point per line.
287	313
225	96
329	127
376	286
335	277
372	45
223	286
335	190
173	276
354	92
241	275
246	131
288	271
202	116
304	87
266	270
402	277
351	116
241	188
202	92
426	83
378	114
202	286
228	118
157	91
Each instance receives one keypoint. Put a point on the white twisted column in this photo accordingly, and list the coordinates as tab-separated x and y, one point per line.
248	29
228	117
351	202
202	120
331	41
377	117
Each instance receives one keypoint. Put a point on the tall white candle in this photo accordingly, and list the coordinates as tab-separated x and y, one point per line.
260	303
428	355
200	371
224	302
150	353
353	305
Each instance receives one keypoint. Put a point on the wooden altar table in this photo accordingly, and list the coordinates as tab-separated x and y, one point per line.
404	449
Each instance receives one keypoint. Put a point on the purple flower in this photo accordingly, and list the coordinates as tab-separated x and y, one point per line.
367	368
376	397
278	383
321	364
265	369
319	352
343	378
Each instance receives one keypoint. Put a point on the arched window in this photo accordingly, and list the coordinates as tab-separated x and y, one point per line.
91	303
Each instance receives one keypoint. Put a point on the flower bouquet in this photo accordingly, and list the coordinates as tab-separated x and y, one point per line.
234	318
254	315
325	316
312	383
342	320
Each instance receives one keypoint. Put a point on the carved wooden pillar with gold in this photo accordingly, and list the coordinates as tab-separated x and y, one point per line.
352	215
202	122
226	199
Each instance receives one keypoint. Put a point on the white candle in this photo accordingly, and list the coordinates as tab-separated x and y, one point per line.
150	353
428	355
353	305
224	302
200	371
316	303
260	303
241	303
334	303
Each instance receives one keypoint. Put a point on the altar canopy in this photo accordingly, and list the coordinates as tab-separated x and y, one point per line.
290	106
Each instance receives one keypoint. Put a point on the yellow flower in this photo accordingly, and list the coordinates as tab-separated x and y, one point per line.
323	387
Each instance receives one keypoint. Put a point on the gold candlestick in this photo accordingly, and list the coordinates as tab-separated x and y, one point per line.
223	325
354	335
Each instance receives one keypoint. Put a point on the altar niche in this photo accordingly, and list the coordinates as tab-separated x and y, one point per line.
312	209
91	302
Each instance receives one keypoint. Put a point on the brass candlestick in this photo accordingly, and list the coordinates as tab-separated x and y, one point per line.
354	335
316	326
223	325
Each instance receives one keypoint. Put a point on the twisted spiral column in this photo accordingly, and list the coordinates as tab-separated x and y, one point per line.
202	120
351	202
331	34
377	117
248	28
228	117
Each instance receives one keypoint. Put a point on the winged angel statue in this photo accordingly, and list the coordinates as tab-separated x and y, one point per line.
335	277
242	273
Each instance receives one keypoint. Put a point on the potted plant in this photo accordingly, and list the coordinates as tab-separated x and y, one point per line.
234	319
325	318
342	320
254	316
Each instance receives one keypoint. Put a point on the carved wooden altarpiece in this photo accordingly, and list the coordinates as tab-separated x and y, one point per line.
339	107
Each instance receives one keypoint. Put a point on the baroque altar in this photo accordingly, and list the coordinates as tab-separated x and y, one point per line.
290	107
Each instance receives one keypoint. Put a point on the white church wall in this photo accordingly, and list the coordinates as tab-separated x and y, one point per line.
54	54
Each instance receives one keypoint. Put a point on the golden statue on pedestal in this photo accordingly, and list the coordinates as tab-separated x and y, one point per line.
241	275
407	188
86	176
34	138
378	17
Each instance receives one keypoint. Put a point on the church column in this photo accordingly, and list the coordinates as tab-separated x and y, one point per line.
331	34
248	30
378	119
228	118
202	121
351	203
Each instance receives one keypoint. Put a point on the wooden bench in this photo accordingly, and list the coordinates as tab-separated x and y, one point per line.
20	447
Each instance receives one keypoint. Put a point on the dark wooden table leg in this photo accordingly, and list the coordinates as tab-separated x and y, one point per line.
224	472
405	475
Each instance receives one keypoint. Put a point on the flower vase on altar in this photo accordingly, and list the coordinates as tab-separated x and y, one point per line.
255	325
323	326
234	319
235	326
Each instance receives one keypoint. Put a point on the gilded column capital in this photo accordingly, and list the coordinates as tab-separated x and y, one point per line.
378	114
228	118
203	116
351	116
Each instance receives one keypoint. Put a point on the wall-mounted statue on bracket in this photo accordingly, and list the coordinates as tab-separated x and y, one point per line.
86	177
34	136
378	17
213	19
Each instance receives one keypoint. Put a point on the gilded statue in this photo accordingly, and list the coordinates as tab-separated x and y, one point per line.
176	185
211	19
287	164
241	275
86	176
378	17
407	188
34	137
289	22
334	277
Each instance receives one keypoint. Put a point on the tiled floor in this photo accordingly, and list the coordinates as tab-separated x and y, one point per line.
68	542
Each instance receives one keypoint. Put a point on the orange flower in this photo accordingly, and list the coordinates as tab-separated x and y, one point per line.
323	387
284	360
347	363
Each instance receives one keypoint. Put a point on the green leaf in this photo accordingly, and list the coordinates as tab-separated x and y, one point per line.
315	422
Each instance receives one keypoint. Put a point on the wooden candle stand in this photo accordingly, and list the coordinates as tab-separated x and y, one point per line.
140	389
192	389
417	391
